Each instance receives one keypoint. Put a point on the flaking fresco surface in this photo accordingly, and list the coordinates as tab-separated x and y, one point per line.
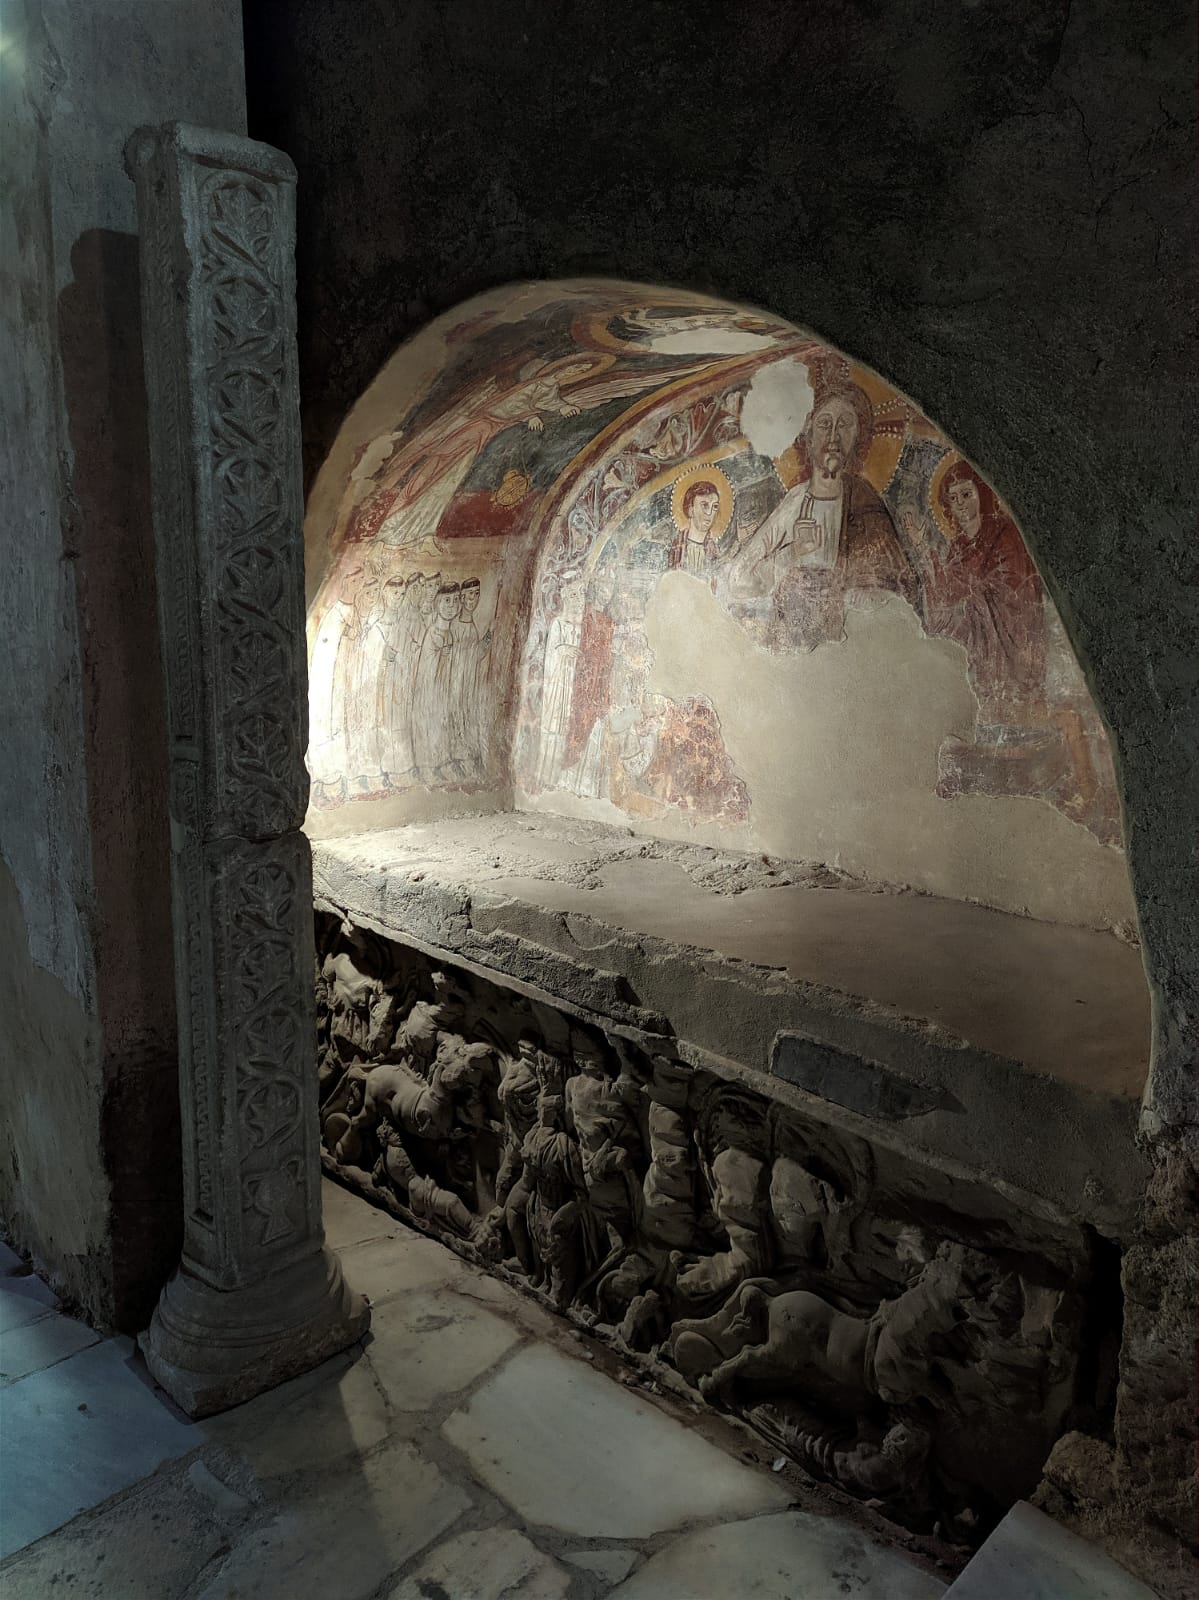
493	544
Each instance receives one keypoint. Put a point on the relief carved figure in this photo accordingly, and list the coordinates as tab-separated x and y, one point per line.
764	1259
555	1213
425	1106
600	1116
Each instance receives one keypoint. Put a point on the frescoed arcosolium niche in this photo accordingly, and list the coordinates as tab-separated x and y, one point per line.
668	566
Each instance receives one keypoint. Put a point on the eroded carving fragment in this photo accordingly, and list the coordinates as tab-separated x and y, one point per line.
830	1293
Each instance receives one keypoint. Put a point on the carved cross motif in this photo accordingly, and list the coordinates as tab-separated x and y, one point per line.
273	1196
270	1110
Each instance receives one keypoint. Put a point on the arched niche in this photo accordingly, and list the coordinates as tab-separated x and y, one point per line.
692	731
576	554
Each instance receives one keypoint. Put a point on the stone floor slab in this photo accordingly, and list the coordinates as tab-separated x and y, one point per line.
610	1565
428	1345
78	1433
346	1535
794	1556
1031	1557
309	1424
487	1564
568	1449
41	1344
23	1297
350	1220
147	1546
381	1269
511	1303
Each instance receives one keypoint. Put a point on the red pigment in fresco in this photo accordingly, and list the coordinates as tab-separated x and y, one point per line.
691	768
985	592
592	681
480	515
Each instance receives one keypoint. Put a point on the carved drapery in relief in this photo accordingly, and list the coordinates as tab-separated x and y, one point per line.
841	1298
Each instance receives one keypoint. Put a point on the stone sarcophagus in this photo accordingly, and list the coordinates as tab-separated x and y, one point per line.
891	1325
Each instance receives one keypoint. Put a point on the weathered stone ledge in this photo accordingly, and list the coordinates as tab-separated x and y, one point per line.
904	1082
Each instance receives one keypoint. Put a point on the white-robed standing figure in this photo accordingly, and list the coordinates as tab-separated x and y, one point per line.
557	684
330	673
471	653
364	722
433	709
402	626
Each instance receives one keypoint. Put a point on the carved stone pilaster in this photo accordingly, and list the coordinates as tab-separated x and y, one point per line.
257	1297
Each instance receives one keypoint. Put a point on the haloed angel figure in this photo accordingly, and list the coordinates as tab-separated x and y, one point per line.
415	485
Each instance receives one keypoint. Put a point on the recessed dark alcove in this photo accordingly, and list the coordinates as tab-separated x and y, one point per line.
723	921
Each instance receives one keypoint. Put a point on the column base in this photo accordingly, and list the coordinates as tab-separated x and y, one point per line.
213	1348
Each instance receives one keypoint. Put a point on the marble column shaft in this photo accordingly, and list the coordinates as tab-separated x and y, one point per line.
257	1296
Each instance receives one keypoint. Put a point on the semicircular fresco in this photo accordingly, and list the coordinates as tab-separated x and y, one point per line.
645	557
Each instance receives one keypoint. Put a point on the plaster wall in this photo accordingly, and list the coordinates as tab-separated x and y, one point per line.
837	747
88	1098
557	556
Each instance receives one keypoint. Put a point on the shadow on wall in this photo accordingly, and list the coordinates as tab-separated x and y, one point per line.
52	1193
108	535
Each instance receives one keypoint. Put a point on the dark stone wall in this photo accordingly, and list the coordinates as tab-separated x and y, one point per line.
989	202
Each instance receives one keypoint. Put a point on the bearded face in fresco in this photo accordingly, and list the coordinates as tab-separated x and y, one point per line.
832	437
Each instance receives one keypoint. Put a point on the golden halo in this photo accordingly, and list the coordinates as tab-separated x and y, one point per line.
701	474
949	460
881	459
788	468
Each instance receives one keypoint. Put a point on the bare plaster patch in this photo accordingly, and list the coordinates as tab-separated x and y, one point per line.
839	746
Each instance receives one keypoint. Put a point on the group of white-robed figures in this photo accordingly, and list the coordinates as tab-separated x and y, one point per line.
398	686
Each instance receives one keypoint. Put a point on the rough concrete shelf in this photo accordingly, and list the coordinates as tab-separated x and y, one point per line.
1024	1027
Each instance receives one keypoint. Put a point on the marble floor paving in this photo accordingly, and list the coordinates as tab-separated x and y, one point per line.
471	1448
